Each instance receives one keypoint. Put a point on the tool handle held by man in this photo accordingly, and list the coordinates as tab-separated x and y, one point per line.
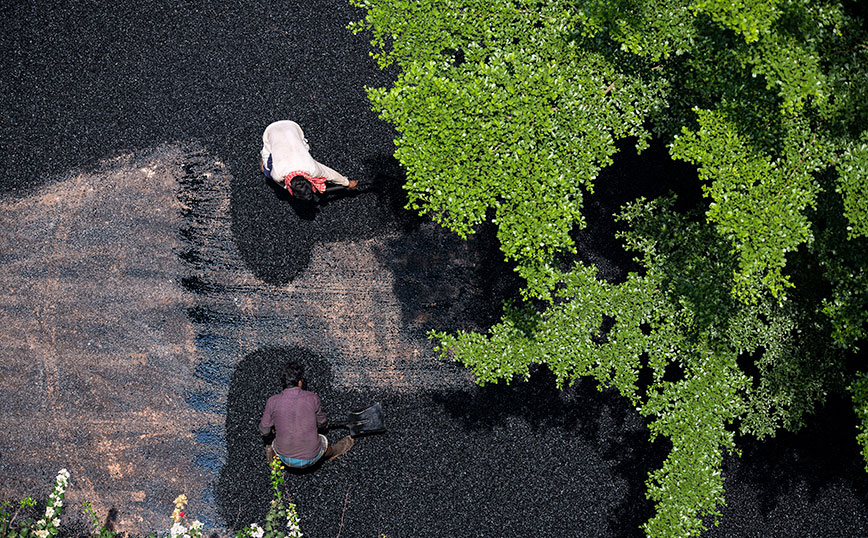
331	187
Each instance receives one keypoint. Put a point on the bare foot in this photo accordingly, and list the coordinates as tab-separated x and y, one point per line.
342	447
353	183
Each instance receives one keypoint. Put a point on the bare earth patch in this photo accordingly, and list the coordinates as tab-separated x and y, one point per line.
124	307
97	349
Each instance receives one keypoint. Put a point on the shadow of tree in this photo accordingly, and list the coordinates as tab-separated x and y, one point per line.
823	453
446	283
598	418
651	174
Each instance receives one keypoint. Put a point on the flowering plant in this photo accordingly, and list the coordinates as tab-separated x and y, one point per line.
276	513
180	528
49	524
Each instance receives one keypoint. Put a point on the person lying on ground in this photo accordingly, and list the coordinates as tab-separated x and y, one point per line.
285	158
296	416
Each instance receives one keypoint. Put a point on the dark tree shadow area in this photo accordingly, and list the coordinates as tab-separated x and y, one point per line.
446	283
778	486
650	174
823	453
518	460
603	419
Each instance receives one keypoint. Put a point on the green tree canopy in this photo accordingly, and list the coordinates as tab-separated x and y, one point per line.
509	110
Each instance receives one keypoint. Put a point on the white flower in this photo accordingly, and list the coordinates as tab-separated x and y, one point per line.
292	522
55	522
294	529
58	503
42	533
177	530
196	525
49	511
63	472
256	531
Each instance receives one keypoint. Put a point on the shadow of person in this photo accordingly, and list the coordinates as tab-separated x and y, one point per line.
275	236
243	488
111	519
308	210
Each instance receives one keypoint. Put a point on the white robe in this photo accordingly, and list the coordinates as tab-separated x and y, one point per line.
283	142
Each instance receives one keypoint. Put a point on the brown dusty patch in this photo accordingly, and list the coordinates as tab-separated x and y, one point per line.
97	352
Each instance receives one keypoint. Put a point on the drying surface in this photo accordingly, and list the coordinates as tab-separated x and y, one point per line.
153	283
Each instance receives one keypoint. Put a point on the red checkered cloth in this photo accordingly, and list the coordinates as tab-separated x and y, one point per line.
318	183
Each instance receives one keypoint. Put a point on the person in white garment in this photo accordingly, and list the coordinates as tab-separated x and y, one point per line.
285	158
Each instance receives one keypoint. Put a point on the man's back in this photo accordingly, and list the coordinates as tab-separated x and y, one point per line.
296	415
284	141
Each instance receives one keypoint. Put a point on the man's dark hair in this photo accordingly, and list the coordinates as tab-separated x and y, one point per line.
301	188
293	372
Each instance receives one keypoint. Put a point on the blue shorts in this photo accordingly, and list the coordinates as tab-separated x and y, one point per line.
296	463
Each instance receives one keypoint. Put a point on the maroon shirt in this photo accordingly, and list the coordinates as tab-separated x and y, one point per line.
296	415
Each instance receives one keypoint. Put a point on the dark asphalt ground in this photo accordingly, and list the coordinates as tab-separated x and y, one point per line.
84	81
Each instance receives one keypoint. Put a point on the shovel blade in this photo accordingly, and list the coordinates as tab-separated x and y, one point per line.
368	420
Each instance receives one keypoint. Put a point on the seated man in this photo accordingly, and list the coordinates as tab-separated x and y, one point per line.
285	158
296	416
